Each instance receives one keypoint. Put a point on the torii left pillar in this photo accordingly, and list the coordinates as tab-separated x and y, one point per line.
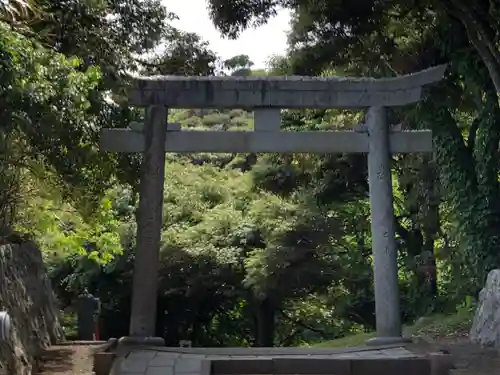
149	221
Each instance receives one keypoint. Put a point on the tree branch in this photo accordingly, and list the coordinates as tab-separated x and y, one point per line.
470	16
303	325
289	339
147	64
478	37
471	140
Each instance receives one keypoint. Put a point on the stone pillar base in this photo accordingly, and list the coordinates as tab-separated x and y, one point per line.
381	341
442	364
141	341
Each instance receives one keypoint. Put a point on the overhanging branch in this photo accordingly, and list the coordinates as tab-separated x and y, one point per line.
303	325
471	140
479	38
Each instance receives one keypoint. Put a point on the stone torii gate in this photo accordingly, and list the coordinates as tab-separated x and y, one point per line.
267	96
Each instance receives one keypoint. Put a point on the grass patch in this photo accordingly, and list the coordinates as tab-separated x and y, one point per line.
443	326
358	339
432	327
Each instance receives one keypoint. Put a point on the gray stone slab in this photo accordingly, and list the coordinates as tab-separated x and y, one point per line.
162	360
125	140
141	354
310	361
134	341
317	83
191	355
210	97
397	352
133	365
280	92
188	365
389	366
294	351
160	371
242	366
376	354
347	356
312	366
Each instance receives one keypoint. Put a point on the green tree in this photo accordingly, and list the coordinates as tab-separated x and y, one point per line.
393	38
239	65
14	11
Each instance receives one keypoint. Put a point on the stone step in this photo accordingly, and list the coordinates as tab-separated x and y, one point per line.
151	362
333	366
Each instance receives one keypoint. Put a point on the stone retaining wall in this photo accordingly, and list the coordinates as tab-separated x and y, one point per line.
26	294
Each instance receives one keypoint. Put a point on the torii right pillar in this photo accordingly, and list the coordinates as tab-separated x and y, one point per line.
385	253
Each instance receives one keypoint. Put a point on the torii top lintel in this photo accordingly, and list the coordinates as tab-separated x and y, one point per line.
281	92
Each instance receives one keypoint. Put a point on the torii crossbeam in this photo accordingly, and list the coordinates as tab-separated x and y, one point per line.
267	95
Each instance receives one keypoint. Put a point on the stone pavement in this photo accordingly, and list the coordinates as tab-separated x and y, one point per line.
252	361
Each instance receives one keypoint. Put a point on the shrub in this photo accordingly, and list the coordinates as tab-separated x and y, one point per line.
215	119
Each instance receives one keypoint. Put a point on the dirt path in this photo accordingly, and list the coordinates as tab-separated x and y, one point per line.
469	359
68	360
472	359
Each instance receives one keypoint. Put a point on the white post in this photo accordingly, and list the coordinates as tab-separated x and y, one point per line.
385	268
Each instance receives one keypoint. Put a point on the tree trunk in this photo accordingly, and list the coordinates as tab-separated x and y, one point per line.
429	212
265	323
481	35
471	190
430	268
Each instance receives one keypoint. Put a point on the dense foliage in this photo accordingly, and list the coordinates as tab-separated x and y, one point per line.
256	249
